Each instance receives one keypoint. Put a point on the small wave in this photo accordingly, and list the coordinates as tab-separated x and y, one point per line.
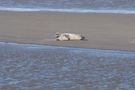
68	10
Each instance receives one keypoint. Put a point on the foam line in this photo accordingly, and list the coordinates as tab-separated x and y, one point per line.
68	10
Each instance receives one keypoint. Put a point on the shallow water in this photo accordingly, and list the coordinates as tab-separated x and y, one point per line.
81	6
39	67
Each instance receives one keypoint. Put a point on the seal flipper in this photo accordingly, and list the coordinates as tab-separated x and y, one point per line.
67	36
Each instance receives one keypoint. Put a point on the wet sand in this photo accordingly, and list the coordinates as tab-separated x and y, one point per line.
104	31
38	67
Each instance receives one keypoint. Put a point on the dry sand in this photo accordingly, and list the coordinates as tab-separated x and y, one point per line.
104	31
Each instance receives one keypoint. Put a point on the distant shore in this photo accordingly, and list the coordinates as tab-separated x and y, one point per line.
103	31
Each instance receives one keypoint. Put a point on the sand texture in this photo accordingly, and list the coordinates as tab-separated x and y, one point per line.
104	31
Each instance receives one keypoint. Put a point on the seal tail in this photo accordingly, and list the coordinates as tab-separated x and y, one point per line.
83	38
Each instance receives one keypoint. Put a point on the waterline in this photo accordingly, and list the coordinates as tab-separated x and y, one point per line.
119	11
98	52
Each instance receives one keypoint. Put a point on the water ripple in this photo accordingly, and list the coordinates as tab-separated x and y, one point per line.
39	67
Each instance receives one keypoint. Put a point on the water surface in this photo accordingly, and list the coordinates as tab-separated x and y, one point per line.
81	6
39	67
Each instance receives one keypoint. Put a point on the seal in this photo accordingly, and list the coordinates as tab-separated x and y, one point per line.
69	36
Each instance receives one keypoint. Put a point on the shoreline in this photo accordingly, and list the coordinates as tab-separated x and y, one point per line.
67	47
103	31
71	10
